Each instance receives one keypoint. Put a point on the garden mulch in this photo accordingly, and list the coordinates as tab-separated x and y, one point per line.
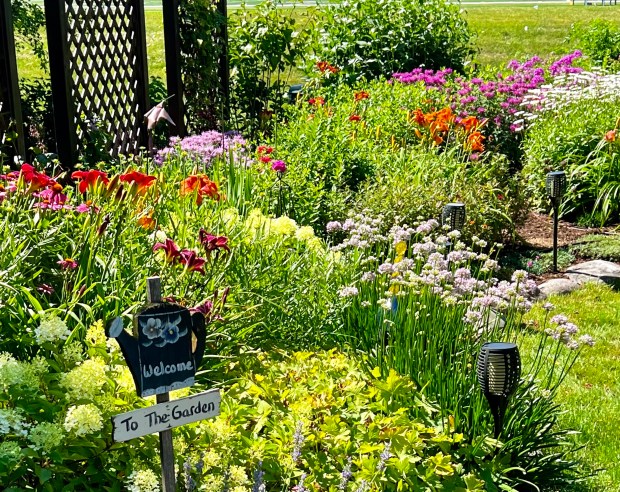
537	232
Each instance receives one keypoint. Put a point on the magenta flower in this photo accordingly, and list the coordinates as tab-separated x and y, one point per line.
170	248
191	261
279	167
46	289
68	264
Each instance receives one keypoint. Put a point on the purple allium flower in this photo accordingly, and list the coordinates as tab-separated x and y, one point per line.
279	167
345	475
559	319
586	340
298	437
203	147
384	456
548	306
333	226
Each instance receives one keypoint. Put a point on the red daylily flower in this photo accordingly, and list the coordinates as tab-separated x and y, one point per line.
170	248
263	149
34	178
143	181
191	261
361	95
316	101
88	179
212	242
203	184
610	136
355	117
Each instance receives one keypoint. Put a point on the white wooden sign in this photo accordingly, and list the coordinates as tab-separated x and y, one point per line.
165	416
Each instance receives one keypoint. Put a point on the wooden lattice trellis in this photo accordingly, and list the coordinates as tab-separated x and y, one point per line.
99	72
10	107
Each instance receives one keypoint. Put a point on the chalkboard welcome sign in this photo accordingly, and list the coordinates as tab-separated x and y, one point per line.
160	355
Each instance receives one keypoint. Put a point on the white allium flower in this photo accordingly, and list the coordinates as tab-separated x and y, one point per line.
83	419
348	292
51	329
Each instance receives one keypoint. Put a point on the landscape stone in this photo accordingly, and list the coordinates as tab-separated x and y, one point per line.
557	286
595	271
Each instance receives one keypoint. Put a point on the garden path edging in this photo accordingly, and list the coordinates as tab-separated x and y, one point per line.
576	275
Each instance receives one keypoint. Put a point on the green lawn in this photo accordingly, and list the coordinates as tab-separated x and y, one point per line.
590	396
501	33
515	31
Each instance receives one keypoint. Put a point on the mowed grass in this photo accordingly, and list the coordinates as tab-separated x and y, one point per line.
590	395
505	32
501	33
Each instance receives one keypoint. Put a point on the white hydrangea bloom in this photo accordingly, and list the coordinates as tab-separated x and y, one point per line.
142	481
12	422
86	380
14	372
51	329
83	419
46	436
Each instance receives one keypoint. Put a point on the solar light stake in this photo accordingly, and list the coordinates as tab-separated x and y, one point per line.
453	214
556	186
499	369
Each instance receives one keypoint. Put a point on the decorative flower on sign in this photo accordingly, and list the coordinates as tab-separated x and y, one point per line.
152	328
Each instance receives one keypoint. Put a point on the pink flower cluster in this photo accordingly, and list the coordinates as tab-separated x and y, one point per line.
203	147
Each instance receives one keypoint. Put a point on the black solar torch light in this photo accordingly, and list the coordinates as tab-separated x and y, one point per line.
499	369
453	215
556	187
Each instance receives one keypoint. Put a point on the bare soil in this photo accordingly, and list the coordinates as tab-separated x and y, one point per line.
537	232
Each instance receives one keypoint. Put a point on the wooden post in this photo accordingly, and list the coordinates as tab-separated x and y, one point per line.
166	450
9	86
174	77
142	68
224	72
64	110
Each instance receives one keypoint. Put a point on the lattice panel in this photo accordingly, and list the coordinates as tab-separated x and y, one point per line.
105	69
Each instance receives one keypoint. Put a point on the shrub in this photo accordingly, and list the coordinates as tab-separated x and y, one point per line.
598	246
419	185
573	139
599	39
367	39
266	43
319	419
